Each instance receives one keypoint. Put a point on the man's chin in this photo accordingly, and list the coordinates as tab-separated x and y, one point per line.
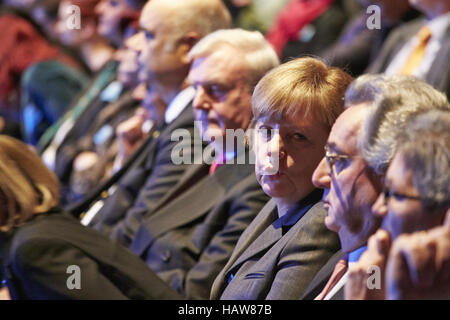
330	224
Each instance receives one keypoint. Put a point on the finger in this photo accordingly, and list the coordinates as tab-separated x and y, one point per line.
421	256
398	281
383	242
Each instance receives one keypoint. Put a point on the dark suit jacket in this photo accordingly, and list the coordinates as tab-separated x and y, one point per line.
320	280
439	74
37	254
269	265
147	181
327	28
188	240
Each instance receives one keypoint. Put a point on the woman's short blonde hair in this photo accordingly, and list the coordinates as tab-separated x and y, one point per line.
302	86
27	186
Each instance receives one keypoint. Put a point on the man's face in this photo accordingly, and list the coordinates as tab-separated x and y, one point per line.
287	152
403	212
127	72
223	98
159	54
111	13
350	187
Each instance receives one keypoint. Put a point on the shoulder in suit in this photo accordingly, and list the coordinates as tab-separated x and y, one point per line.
189	240
42	250
269	265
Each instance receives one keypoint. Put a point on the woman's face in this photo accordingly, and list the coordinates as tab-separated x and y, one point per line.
287	152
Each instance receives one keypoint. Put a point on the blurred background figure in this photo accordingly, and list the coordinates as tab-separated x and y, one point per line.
23	45
357	45
94	49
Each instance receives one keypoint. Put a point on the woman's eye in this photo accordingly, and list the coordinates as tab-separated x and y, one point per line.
265	133
299	136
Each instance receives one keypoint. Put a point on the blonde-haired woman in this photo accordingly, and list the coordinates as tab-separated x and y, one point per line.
47	254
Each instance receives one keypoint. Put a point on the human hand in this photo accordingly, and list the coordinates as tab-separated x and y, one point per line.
419	265
366	277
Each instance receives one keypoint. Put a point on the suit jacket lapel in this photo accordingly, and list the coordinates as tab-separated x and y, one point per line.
257	237
436	75
321	278
193	206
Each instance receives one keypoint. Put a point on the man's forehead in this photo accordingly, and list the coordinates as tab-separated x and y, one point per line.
344	133
153	14
217	66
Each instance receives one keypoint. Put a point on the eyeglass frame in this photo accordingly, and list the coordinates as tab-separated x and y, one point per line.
330	158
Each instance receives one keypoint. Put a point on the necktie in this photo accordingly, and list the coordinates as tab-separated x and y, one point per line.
416	56
338	272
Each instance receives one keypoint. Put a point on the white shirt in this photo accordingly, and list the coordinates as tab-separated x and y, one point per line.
178	104
438	27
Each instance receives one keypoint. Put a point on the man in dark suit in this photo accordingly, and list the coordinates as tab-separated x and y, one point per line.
420	47
162	45
187	241
351	187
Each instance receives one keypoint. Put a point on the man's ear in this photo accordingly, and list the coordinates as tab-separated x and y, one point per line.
187	42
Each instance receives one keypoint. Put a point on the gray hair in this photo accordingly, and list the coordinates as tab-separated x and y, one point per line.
395	100
425	149
258	53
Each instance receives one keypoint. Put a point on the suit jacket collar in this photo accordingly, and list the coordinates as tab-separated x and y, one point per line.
163	220
262	236
321	278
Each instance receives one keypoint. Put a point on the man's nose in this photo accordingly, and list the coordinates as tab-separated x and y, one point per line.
136	42
321	177
379	208
201	99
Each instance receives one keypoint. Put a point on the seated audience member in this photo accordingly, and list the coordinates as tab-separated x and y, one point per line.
307	26
357	45
278	254
40	243
175	26
352	180
420	47
58	145
45	12
96	153
256	15
188	235
416	197
418	265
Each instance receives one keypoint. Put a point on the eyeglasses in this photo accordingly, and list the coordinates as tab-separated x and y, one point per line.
398	196
333	158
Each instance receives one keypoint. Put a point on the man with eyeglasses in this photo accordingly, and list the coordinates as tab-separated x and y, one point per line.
359	150
416	198
350	188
